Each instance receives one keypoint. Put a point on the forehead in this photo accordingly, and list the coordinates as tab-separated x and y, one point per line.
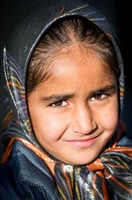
78	64
78	56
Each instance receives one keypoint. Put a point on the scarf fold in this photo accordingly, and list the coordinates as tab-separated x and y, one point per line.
110	173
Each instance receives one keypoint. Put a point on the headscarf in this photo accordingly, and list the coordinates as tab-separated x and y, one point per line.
113	167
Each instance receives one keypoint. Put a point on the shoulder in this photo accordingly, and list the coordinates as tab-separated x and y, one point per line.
25	173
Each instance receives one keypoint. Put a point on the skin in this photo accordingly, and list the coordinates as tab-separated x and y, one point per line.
74	113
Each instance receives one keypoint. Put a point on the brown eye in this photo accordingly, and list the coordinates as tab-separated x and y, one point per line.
59	104
98	96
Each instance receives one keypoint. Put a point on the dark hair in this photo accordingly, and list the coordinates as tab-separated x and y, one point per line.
63	33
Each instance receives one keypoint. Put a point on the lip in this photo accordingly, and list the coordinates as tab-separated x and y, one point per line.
83	143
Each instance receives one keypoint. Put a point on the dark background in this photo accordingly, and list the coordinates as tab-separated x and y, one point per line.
117	12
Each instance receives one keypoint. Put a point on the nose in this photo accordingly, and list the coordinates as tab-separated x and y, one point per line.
83	120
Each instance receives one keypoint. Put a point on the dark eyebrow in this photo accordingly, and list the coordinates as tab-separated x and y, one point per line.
108	88
54	98
61	97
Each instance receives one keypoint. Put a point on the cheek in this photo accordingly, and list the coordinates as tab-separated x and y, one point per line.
48	128
109	118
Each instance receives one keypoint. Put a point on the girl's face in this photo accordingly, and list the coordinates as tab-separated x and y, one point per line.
74	113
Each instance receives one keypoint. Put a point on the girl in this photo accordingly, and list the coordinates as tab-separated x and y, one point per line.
63	137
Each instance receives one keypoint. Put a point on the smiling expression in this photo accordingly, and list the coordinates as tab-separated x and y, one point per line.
74	113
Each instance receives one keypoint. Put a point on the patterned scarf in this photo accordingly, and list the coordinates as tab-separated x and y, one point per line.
110	173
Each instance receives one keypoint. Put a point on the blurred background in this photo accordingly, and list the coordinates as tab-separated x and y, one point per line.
117	12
